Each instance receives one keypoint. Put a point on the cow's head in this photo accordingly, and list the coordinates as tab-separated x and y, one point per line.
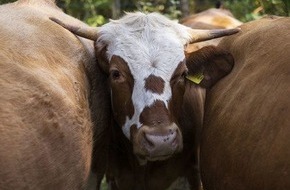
144	58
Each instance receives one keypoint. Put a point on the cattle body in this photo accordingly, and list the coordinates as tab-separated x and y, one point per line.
210	19
153	123
45	123
246	137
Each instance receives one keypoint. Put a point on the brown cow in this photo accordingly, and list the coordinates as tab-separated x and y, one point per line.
45	123
210	19
246	138
153	122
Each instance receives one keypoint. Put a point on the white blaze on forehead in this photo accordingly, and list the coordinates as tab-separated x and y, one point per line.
151	45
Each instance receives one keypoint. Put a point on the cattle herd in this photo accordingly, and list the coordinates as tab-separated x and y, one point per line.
143	101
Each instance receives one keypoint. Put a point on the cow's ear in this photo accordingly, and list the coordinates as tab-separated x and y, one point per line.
103	61
208	65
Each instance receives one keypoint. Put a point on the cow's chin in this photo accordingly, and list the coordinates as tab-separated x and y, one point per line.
144	159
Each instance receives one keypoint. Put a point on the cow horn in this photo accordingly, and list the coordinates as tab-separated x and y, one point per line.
86	32
203	35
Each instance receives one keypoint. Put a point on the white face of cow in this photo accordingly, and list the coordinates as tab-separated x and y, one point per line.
147	50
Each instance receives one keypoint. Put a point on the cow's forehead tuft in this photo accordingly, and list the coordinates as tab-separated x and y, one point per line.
145	40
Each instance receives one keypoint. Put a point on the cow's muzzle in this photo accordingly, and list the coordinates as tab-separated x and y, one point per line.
158	142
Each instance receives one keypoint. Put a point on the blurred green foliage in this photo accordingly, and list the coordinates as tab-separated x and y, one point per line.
98	12
6	1
94	12
170	8
247	10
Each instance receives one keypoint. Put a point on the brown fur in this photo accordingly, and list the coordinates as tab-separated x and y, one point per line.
202	59
154	84
155	115
121	90
246	137
220	18
45	123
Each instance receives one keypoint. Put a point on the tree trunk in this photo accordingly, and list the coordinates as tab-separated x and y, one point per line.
116	9
184	8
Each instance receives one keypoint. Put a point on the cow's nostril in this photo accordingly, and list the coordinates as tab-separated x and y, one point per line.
171	131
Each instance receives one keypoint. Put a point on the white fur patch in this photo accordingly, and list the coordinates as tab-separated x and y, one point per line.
150	44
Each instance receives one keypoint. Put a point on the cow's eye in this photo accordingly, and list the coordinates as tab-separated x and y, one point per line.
115	74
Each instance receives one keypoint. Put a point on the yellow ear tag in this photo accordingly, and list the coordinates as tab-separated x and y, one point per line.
197	78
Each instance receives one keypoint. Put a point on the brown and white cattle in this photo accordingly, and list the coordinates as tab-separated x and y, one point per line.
246	137
45	124
153	123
